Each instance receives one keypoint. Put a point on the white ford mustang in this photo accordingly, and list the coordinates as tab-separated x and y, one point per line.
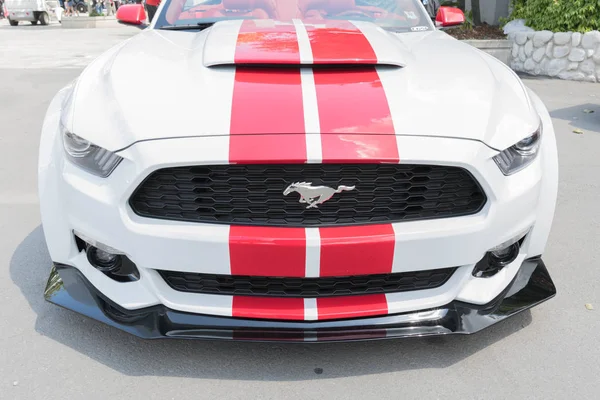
297	170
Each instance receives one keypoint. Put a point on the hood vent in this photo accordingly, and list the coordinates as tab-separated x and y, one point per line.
329	66
272	45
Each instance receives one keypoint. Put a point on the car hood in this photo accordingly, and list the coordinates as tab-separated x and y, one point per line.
166	84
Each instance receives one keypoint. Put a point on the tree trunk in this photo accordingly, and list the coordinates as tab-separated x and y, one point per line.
476	12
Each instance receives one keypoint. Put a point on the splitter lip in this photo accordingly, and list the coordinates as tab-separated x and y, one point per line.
532	285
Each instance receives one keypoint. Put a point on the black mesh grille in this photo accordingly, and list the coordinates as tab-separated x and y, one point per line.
253	194
306	287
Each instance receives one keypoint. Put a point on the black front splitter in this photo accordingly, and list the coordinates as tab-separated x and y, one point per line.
68	288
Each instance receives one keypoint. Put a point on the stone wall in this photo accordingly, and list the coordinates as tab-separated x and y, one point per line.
566	55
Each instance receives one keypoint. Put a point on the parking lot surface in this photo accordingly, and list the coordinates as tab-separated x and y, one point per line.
46	352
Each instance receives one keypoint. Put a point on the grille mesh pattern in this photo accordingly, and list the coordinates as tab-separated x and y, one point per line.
253	194
306	287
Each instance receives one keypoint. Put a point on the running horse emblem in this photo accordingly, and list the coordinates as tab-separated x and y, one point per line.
314	195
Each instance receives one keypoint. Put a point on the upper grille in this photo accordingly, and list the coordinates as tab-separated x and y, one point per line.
306	287
253	194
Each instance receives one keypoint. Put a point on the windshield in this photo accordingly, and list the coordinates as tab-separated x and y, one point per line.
397	15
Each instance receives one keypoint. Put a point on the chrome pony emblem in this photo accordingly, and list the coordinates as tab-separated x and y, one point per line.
314	195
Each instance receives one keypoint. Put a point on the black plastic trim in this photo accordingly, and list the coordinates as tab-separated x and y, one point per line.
263	286
68	288
139	188
488	266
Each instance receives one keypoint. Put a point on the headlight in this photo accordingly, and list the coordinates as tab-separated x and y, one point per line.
88	156
519	156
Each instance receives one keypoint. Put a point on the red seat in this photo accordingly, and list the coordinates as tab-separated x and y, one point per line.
288	10
319	9
197	12
312	9
260	9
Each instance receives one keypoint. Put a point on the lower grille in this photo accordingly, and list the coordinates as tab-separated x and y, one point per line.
306	287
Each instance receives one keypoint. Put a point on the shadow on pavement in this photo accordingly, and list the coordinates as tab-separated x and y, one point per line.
27	25
578	118
29	269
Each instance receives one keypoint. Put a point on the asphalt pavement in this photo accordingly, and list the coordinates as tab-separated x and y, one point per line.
46	352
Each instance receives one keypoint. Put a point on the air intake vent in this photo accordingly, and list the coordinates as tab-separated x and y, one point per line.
306	287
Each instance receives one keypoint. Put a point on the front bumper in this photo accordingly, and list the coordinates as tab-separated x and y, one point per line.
97	208
532	285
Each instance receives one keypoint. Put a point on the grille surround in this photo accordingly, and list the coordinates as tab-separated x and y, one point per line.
243	285
253	194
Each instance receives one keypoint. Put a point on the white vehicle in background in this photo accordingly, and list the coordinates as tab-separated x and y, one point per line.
34	11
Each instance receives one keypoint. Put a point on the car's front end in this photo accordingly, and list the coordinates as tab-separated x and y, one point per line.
296	202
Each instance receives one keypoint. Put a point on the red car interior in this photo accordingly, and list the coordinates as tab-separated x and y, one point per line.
287	10
321	9
259	9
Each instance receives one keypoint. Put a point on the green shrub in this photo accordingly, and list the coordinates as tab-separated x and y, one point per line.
468	25
558	15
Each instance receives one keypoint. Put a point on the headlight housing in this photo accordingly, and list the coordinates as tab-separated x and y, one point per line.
86	155
520	155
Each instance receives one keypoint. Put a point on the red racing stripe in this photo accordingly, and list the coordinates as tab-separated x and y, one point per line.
267	117
351	306
267	251
355	118
268	307
357	250
267	113
267	42
359	149
339	42
267	126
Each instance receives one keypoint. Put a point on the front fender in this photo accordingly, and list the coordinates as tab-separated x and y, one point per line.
549	189
50	165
